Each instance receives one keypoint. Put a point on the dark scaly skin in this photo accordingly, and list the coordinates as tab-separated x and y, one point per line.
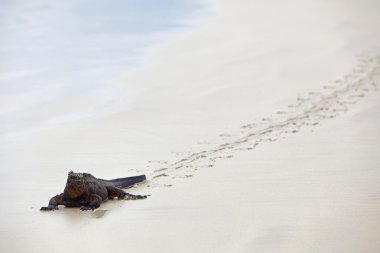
87	192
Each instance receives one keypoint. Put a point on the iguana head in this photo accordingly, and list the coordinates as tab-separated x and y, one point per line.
75	184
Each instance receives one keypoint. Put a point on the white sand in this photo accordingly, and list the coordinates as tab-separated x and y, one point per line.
308	182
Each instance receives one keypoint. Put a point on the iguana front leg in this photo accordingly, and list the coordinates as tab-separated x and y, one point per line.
53	203
94	202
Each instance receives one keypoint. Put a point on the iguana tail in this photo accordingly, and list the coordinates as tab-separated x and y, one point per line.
127	181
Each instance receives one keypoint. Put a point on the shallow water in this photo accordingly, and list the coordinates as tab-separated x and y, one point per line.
57	54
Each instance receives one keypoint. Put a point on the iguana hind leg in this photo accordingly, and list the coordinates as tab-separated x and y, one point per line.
53	203
114	192
134	197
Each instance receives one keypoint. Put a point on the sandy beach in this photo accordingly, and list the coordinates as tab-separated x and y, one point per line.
257	129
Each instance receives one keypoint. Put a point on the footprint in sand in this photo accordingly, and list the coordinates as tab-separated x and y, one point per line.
308	112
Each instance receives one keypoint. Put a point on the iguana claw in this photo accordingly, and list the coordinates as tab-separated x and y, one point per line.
49	208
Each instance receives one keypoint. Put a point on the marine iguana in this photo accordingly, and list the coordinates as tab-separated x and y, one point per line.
88	192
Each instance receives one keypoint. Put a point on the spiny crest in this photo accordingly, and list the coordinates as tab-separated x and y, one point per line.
78	175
